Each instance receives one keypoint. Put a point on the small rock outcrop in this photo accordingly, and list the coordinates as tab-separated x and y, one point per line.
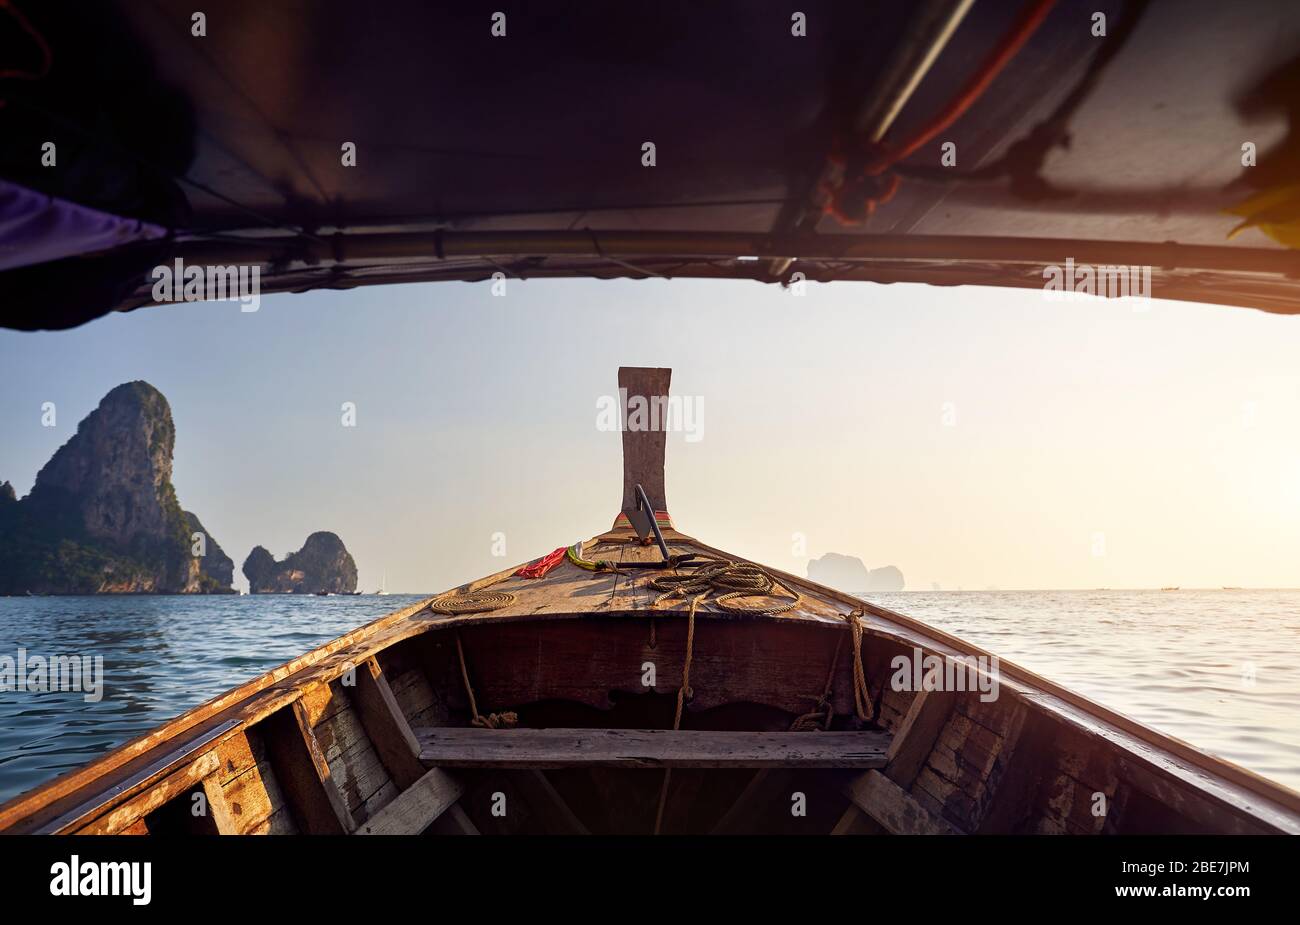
259	568
103	515
848	573
322	565
214	563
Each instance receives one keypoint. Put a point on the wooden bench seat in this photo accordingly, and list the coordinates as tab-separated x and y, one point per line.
455	747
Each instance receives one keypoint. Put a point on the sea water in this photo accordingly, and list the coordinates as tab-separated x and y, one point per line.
1218	669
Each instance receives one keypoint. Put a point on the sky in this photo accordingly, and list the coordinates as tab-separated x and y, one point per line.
973	437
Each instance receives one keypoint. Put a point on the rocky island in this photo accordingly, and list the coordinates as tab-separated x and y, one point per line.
103	516
849	574
323	565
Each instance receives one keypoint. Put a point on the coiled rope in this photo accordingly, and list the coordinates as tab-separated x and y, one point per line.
735	580
474	602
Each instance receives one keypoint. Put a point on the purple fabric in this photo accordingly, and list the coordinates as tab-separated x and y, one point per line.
35	228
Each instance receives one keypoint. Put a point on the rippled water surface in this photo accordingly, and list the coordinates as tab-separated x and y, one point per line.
1180	661
1218	669
162	655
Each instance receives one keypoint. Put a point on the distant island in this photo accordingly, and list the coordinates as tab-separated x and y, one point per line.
322	566
103	516
849	574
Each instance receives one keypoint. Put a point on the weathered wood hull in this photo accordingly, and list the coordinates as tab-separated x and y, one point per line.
331	743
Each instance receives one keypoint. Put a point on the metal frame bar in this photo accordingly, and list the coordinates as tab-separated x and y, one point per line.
442	245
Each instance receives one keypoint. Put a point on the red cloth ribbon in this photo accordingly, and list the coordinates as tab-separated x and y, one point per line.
539	567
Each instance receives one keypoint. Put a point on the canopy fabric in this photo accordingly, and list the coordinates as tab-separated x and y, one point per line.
478	153
35	228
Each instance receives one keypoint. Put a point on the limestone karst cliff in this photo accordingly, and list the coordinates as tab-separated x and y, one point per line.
848	573
323	564
102	515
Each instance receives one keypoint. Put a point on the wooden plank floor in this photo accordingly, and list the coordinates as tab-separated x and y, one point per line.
649	748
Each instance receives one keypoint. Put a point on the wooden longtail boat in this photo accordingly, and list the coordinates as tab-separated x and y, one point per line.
554	704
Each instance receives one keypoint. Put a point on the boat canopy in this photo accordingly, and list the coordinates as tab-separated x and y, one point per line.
339	144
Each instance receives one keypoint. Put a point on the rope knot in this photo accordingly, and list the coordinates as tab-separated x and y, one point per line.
731	581
507	720
858	180
862	703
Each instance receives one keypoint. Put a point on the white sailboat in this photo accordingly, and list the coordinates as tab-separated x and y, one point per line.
383	584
